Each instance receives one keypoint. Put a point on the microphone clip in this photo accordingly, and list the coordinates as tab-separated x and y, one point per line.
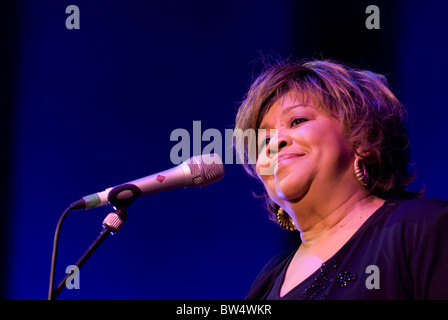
122	196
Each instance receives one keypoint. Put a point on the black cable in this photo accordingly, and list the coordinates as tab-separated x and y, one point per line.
80	204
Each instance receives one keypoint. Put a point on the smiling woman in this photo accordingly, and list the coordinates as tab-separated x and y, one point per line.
307	139
340	153
370	115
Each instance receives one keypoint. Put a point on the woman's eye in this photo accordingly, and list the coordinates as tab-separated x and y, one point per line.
298	121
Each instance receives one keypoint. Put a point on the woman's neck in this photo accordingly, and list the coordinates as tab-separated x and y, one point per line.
318	221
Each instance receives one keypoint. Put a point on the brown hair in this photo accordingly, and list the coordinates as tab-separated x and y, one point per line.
371	115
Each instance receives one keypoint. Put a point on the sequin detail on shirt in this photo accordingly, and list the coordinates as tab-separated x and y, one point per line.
322	281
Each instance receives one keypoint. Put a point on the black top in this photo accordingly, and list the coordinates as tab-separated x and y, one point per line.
400	252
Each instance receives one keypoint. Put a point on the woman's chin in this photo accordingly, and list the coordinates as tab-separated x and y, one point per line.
293	193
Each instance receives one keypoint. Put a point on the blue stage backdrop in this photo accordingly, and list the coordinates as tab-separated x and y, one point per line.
95	107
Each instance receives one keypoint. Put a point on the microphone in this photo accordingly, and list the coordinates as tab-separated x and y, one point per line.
196	172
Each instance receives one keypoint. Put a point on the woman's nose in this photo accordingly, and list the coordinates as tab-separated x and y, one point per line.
278	142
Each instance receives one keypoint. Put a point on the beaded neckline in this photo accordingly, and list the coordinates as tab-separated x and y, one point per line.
325	278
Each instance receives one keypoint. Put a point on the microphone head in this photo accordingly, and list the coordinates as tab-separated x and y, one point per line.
205	169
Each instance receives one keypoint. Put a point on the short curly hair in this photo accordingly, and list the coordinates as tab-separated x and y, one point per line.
371	115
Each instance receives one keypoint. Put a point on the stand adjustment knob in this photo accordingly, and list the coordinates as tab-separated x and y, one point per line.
115	220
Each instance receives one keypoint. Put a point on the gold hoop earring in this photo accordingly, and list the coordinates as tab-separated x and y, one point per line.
361	172
285	221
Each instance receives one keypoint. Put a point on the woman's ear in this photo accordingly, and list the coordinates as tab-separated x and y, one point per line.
362	153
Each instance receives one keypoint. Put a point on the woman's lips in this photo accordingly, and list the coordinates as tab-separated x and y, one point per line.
287	156
283	158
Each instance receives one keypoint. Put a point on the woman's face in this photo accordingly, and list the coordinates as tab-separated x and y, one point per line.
309	153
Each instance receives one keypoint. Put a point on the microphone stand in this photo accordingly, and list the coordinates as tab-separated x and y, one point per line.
111	225
120	197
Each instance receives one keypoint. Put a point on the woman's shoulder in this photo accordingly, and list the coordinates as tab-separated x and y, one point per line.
421	226
420	208
417	213
425	203
266	277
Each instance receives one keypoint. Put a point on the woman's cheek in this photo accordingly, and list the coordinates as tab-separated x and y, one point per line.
265	165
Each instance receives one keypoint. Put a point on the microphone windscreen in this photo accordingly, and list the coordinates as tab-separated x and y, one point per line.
207	169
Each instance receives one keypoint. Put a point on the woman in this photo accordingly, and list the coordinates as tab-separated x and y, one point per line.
335	141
